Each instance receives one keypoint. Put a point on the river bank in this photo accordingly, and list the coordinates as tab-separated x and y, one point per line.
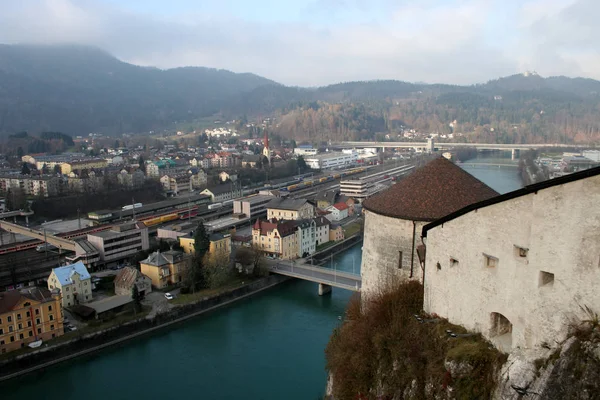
94	342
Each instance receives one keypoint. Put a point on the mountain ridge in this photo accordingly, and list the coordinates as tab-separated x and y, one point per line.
79	89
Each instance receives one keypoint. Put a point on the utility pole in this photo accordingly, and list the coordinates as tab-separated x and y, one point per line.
45	244
189	207
133	207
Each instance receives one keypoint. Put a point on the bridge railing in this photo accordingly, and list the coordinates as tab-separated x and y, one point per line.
332	281
316	268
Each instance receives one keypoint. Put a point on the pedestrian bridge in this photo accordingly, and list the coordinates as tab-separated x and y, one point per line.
323	276
61	243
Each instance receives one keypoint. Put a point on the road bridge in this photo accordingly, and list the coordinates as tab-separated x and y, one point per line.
447	145
325	277
490	165
61	243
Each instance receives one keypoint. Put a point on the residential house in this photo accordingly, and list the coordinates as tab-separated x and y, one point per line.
29	315
321	230
290	209
33	185
326	198
129	277
336	233
165	269
306	237
74	283
276	238
225	176
176	182
131	180
250	161
219	243
339	211
79	165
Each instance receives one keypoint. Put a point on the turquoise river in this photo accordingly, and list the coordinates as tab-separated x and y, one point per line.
269	346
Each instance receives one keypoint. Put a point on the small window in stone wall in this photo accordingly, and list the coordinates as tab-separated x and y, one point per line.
490	261
521	252
546	279
399	259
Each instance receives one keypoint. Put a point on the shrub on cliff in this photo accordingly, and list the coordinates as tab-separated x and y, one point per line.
382	350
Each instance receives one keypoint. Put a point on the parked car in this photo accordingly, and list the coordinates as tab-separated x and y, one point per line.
169	296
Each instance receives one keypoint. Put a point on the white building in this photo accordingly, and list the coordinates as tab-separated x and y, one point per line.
252	206
290	209
306	237
356	188
305	151
331	160
321	230
394	219
593	155
339	211
74	283
121	241
519	268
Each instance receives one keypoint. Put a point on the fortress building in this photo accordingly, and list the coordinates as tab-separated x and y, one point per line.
522	267
394	219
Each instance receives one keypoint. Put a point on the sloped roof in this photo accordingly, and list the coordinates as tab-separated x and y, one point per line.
431	192
8	300
64	274
285	228
534	188
321	221
287	204
127	277
341	206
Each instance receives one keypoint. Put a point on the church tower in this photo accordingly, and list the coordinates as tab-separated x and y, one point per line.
266	150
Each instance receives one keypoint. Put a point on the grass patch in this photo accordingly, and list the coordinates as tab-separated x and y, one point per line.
324	246
189	298
383	345
352	229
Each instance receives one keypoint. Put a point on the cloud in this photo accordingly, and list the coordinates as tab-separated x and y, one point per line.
434	41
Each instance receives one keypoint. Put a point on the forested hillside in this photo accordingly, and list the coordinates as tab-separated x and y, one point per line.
77	90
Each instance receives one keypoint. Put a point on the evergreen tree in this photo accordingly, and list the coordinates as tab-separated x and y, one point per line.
301	164
201	241
136	296
25	169
142	163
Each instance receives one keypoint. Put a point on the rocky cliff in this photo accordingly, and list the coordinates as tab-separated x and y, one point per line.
390	350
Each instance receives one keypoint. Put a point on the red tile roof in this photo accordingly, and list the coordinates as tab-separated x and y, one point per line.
431	192
341	206
285	228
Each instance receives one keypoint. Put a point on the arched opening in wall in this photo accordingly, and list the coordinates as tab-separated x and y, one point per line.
501	331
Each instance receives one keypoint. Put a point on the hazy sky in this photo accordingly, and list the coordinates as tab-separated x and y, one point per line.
317	42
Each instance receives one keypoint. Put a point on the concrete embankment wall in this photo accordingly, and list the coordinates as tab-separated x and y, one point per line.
93	342
344	245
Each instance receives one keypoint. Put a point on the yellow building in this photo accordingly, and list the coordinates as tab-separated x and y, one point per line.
68	167
218	243
290	209
165	269
336	233
27	316
276	238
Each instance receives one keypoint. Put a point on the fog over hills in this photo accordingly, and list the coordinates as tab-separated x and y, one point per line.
77	89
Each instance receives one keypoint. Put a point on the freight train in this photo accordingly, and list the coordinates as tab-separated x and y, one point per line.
309	183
